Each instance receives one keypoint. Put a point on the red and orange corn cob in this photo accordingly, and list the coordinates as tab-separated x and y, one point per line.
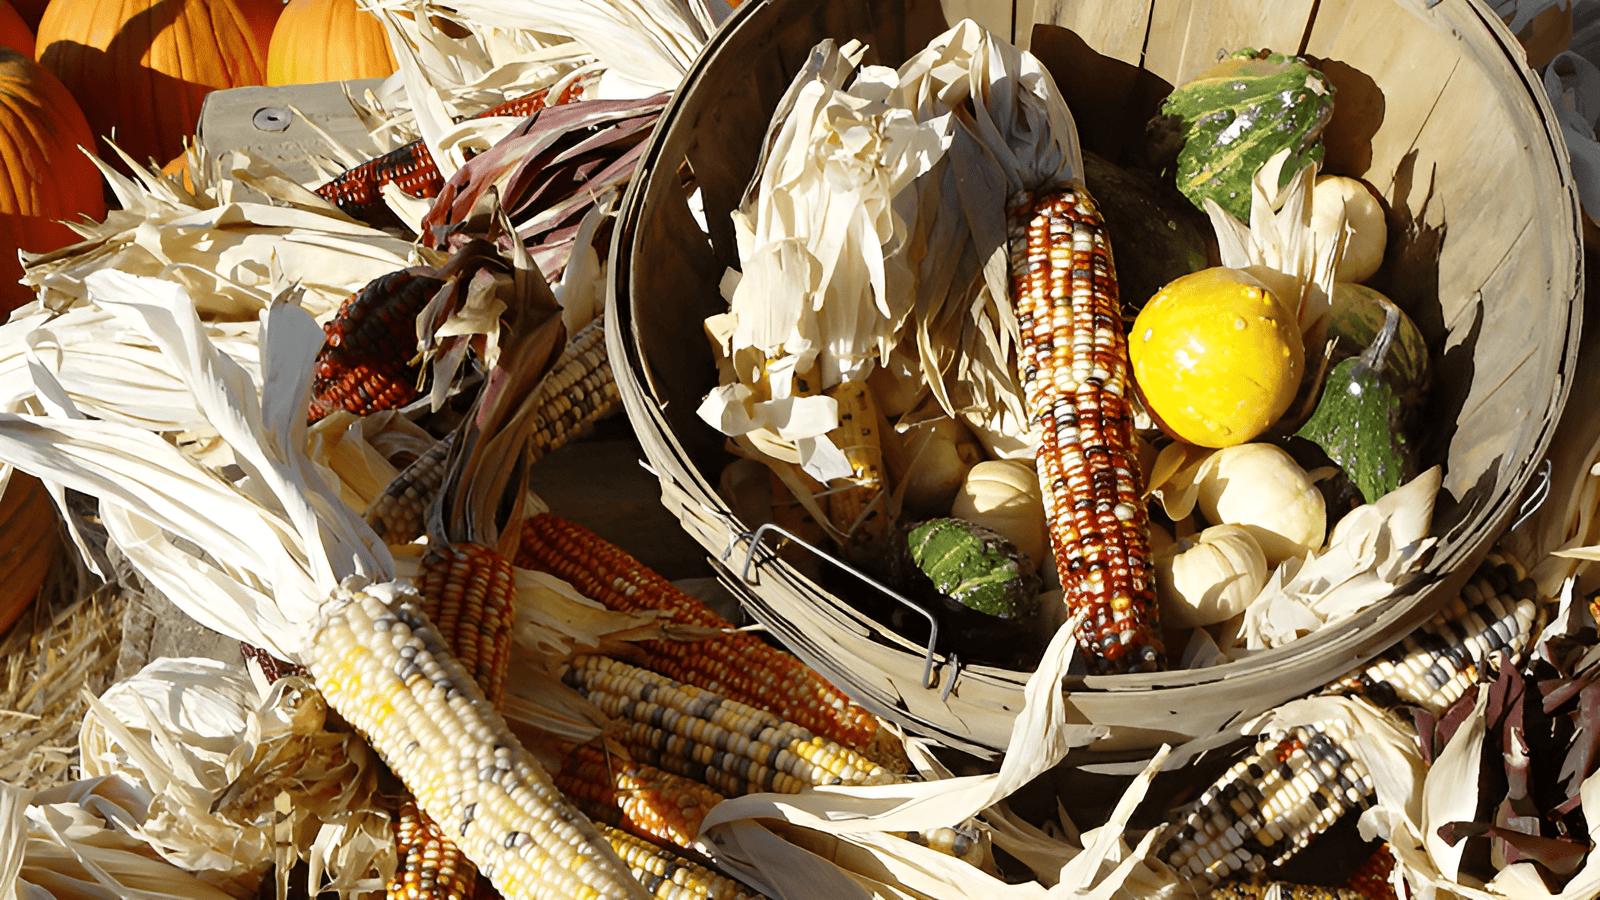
736	664
358	191
641	799
429	866
366	362
1073	367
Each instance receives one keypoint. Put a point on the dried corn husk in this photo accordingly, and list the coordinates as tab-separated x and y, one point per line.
1280	246
1374	549
849	251
242	241
242	776
853	827
70	843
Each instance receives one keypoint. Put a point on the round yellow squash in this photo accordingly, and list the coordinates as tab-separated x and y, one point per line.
1216	357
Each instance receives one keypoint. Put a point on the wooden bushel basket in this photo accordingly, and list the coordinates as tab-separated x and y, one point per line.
1435	110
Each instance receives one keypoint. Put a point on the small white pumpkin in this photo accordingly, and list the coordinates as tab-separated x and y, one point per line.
1260	488
1363	215
1210	577
1003	496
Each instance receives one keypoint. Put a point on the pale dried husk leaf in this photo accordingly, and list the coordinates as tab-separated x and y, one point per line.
1373	551
243	776
71	842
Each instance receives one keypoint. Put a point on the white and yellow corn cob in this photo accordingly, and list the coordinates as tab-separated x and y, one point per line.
385	668
733	747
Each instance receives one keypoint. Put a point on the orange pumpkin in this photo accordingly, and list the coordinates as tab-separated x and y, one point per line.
46	176
29	545
263	17
303	51
141	68
14	32
31	12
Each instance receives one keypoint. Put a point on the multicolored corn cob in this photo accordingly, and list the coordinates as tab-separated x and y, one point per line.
386	669
358	191
429	866
578	392
668	875
367	361
734	748
1430	668
646	801
399	514
1293	785
736	664
1073	368
1290	788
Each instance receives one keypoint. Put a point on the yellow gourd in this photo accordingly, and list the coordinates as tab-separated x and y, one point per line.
1210	577
1216	357
1260	488
1003	496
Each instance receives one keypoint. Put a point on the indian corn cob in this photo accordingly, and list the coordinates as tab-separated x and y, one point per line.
641	799
1431	667
429	866
400	511
736	664
733	747
1270	804
367	361
668	875
387	670
358	191
578	392
1074	371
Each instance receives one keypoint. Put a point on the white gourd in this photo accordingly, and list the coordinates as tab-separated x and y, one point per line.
1260	488
1003	496
1210	577
936	455
1336	195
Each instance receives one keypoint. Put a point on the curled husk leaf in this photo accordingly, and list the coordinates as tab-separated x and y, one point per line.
1210	577
1260	488
243	775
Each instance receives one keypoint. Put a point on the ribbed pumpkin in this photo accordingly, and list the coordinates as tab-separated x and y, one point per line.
302	52
29	545
31	12
141	68
14	31
263	17
46	176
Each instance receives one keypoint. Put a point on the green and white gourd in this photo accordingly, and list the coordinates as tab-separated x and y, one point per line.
975	567
1235	115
